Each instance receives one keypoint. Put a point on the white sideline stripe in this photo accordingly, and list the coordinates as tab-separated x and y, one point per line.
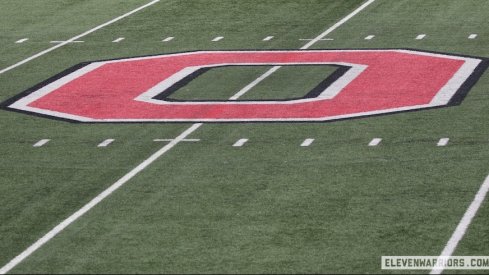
170	139
268	38
170	38
60	41
375	142
464	223
106	142
472	36
240	142
369	37
76	37
217	38
41	142
443	142
57	229
118	40
306	46
60	227
21	40
420	36
307	142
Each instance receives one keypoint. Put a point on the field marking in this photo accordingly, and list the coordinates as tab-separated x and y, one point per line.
77	37
21	40
420	36
268	38
60	41
322	39
369	37
170	139
464	223
106	142
57	229
240	142
41	143
255	82
472	36
217	38
169	38
307	142
443	142
375	142
250	86
60	227
118	40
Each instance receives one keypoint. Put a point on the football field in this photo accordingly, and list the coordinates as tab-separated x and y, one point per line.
244	195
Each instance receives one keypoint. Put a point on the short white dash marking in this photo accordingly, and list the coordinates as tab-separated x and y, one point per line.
420	36
268	38
472	36
375	142
463	225
240	142
442	142
217	38
369	37
307	142
169	139
21	40
169	38
118	40
41	142
105	143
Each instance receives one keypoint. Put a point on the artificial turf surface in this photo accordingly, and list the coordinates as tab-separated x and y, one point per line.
269	206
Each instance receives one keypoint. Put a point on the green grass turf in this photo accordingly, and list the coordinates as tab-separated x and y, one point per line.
270	206
223	82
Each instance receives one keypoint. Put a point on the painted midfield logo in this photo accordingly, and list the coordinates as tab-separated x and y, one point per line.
367	82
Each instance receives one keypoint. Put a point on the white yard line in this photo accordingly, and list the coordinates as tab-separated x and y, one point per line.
318	38
76	37
472	36
339	23
60	227
170	139
250	86
309	39
369	37
268	38
464	223
60	41
170	38
217	38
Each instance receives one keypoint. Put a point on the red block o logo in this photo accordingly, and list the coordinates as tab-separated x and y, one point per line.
369	82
